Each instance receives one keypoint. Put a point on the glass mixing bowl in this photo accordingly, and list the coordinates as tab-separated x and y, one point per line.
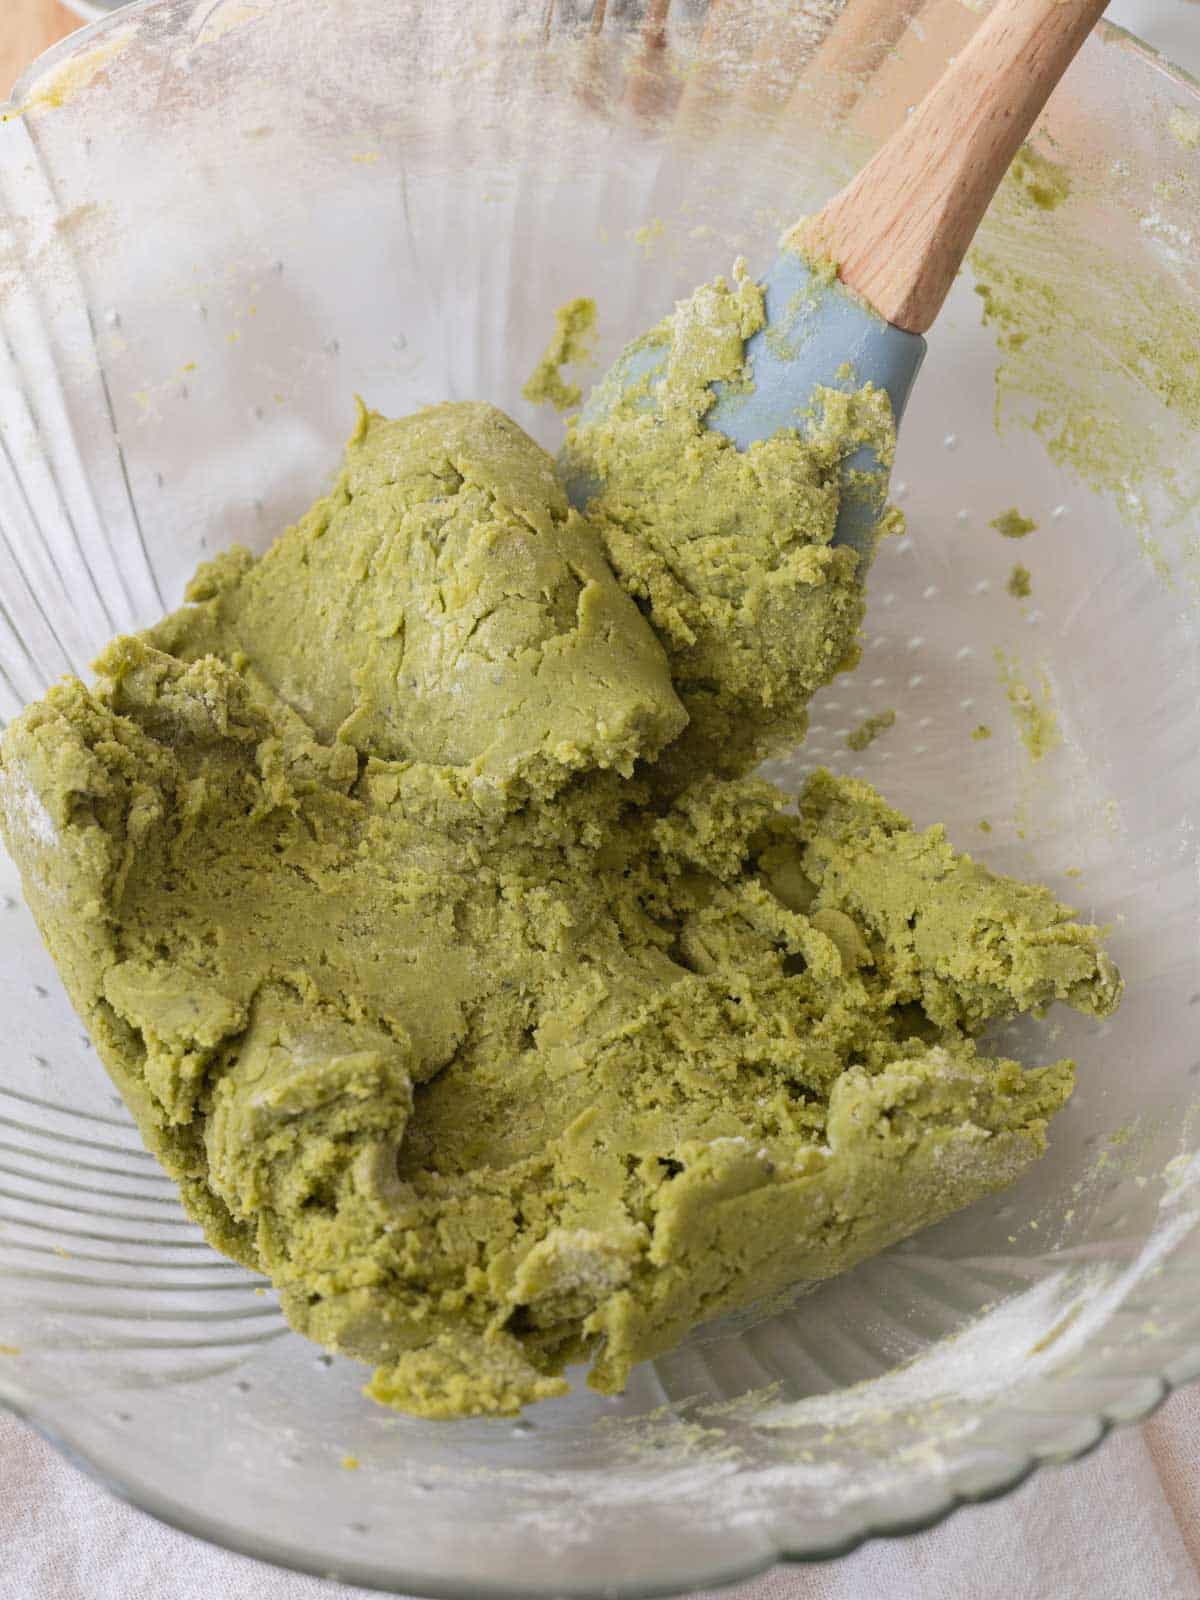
221	221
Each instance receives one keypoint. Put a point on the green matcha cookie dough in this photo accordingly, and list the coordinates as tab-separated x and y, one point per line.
444	604
468	988
729	553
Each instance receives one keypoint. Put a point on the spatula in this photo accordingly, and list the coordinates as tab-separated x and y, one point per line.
898	234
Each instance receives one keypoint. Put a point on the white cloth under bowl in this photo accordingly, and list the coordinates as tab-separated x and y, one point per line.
1124	1524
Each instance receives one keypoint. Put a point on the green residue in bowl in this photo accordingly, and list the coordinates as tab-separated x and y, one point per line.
1020	582
570	345
62	83
1033	712
1012	524
416	888
1185	127
1098	359
1039	180
869	730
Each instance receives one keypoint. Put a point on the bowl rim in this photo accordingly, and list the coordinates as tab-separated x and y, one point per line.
93	10
1124	1411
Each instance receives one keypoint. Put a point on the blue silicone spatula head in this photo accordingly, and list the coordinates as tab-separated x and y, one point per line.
817	335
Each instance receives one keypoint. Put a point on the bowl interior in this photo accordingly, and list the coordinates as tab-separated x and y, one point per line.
221	223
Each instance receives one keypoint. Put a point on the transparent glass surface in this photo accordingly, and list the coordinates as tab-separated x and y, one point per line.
220	222
89	10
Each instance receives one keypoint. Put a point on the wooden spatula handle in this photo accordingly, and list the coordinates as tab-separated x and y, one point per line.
900	230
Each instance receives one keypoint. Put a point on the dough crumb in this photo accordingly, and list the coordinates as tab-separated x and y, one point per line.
1012	525
869	730
1020	582
648	235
